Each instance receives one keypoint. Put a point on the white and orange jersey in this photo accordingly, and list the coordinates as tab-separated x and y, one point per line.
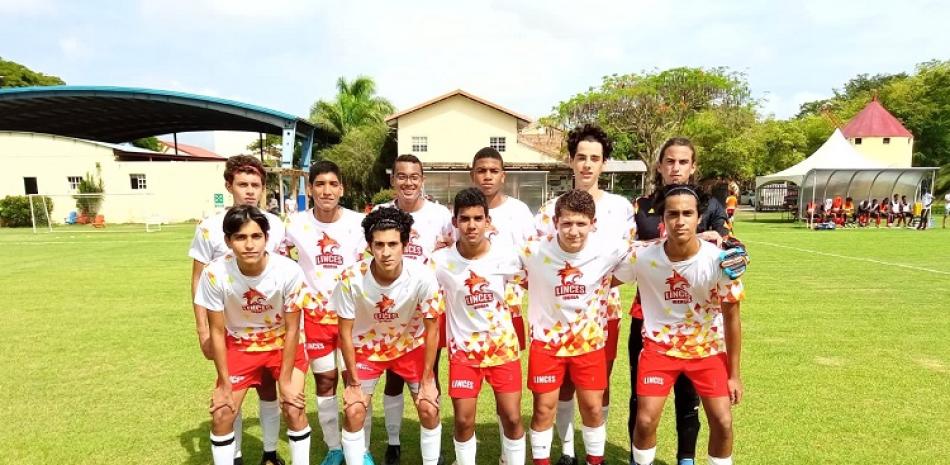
208	243
567	295
681	300
253	306
387	320
511	225
613	216
429	223
478	322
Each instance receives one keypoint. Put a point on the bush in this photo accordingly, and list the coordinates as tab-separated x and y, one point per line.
15	211
89	206
383	196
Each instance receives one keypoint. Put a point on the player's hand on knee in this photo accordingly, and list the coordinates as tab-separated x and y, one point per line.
735	390
222	398
353	396
292	398
428	394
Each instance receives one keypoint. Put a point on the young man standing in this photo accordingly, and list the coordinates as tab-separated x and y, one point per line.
691	326
253	299
482	341
328	239
589	148
244	179
388	308
431	230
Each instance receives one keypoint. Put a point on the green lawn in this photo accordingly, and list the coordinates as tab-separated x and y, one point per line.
846	353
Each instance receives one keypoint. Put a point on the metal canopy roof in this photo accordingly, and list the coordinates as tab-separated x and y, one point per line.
122	114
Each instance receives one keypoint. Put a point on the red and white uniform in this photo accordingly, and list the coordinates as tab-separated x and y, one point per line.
324	250
567	309
429	223
482	340
208	243
682	317
254	308
388	329
511	225
613	216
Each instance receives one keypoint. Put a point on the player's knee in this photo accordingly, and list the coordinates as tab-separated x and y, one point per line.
464	427
646	421
354	416
722	423
591	414
511	421
296	418
428	413
222	419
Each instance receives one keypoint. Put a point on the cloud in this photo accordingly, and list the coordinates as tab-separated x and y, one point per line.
73	49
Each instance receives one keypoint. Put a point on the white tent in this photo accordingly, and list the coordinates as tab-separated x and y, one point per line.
835	153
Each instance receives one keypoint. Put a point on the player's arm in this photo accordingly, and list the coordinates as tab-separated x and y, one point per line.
291	341
345	307
715	221
221	397
427	389
733	336
201	314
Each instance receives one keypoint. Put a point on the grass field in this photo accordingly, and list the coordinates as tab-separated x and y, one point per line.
846	355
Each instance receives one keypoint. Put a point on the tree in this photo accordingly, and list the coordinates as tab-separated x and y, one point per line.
362	156
355	105
13	74
641	111
150	143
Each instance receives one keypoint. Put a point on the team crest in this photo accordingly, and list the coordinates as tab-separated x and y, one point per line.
413	248
478	292
677	289
384	309
328	251
255	302
569	287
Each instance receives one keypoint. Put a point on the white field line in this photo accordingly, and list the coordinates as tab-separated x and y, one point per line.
860	259
90	242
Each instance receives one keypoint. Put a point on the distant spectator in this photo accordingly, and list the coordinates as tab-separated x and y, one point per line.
884	211
290	206
926	201
895	215
847	211
906	214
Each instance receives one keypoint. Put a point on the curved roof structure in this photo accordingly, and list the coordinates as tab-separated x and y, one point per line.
121	114
875	121
835	153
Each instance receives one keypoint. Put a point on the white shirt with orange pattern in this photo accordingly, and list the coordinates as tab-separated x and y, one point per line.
429	223
387	320
208	243
511	225
480	330
324	250
681	300
253	306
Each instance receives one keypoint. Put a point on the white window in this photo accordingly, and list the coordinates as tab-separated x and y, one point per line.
73	182
497	143
420	144
138	181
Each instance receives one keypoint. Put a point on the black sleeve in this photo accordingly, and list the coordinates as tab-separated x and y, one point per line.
714	219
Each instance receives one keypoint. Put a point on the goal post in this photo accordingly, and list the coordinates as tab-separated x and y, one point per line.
48	211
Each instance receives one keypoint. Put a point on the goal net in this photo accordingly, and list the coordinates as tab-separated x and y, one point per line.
48	212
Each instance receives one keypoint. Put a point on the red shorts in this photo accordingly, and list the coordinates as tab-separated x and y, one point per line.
636	309
442	329
613	337
319	339
656	373
409	366
248	369
518	323
546	370
465	381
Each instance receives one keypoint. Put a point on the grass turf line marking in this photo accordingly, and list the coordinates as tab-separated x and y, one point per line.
861	259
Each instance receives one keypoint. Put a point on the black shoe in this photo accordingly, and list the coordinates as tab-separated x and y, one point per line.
239	460
566	460
271	458
441	460
392	454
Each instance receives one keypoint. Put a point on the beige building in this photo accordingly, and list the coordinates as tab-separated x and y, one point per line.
139	184
880	137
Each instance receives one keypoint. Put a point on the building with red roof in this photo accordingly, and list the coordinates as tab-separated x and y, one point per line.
880	137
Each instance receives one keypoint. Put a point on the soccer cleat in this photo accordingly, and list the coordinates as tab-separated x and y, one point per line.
334	457
368	459
271	458
393	453
441	460
566	460
685	462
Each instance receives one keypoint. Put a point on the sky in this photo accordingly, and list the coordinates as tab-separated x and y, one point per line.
527	56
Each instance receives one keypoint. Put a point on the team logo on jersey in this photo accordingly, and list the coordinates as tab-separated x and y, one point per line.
413	248
478	292
255	302
328	251
677	289
384	309
569	287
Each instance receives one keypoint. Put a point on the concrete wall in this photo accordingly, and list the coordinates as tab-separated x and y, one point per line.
897	154
175	190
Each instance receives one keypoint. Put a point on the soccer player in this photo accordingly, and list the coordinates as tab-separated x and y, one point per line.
388	308
482	340
589	147
431	230
252	299
732	202
244	179
328	239
570	279
691	325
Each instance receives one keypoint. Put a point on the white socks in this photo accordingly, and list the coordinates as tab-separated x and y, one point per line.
513	450
393	407
541	443
222	448
430	441
368	425
238	432
465	451
329	421
594	439
644	457
354	447
604	410
299	442
564	421
720	461
270	424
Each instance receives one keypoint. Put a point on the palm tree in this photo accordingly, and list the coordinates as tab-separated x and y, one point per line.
356	104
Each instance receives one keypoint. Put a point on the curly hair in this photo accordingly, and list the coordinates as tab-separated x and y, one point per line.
589	133
386	218
238	216
577	201
470	197
672	190
243	164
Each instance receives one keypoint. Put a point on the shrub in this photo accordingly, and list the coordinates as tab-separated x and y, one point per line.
383	196
15	210
89	206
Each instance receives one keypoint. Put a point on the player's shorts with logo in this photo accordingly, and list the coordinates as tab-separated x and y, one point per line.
465	381
546	370
320	339
249	369
656	373
613	338
409	367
